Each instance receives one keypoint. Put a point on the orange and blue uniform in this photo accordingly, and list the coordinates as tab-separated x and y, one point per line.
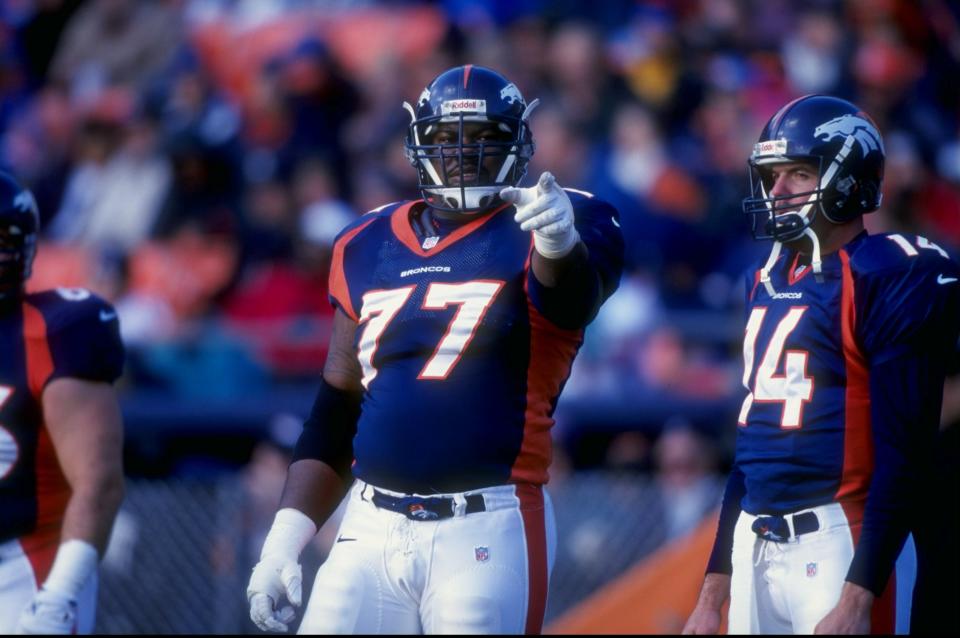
463	355
844	381
43	336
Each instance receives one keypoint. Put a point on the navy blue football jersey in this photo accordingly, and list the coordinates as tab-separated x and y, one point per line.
51	334
461	369
806	426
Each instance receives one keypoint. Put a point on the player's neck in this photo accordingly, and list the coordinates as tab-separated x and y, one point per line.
451	217
832	238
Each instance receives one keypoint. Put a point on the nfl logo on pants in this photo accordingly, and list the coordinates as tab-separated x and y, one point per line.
811	570
481	554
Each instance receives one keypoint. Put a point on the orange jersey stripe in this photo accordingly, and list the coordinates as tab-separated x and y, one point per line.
858	444
857	440
53	491
552	351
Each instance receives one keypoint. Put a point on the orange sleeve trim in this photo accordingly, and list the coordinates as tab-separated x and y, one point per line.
338	286
39	359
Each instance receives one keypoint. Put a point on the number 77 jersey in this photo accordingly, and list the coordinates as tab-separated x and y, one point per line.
805	425
460	366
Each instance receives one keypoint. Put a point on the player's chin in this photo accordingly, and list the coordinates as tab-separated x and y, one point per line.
471	175
467	179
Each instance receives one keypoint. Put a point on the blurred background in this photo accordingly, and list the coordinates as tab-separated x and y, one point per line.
194	159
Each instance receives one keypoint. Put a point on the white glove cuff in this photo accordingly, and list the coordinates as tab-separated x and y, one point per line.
556	247
289	534
75	561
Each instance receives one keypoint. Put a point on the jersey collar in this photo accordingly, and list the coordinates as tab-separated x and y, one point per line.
400	224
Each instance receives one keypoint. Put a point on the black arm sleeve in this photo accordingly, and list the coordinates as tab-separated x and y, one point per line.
720	562
906	394
575	300
590	273
329	430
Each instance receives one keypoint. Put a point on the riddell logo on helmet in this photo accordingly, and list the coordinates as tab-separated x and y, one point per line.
460	106
770	147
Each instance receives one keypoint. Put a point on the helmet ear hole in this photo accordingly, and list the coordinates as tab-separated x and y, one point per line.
868	196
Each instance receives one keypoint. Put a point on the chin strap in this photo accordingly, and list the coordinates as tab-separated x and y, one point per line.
765	271
815	261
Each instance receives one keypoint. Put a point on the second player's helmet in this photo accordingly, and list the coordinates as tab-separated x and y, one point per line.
835	136
458	97
19	225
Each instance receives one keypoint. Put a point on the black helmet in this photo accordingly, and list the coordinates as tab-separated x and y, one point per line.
468	94
19	225
835	136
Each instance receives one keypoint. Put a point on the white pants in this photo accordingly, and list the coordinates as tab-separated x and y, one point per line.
484	572
787	588
19	583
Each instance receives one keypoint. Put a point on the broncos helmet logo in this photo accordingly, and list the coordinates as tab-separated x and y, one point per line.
24	201
863	131
424	97
511	94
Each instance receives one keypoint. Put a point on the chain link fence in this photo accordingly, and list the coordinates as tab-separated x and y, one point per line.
182	549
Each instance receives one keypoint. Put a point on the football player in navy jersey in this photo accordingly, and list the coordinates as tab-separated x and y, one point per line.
61	476
847	340
458	317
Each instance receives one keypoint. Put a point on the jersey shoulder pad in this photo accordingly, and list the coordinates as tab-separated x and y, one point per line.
81	332
386	210
63	308
588	206
377	215
896	255
907	292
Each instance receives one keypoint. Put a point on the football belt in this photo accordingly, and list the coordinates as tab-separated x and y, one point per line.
426	508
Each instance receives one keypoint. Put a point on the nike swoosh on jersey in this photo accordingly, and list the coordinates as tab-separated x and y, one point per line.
945	280
106	315
344	539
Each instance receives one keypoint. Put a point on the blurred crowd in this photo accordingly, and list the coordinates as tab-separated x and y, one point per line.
194	159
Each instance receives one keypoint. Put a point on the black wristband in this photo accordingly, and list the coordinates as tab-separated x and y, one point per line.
329	430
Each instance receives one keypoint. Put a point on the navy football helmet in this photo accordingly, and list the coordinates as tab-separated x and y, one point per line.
19	225
458	97
837	138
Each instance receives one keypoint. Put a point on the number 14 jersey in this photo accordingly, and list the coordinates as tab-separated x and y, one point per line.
814	355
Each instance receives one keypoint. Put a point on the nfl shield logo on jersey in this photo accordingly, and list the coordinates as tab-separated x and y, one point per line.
811	570
481	554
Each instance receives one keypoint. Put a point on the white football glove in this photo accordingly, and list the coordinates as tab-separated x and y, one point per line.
278	573
274	576
50	612
546	210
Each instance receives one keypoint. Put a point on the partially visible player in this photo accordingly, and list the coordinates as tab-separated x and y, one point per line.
61	478
847	340
458	319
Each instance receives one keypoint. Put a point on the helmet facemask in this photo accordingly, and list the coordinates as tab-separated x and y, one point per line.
17	249
781	217
19	224
457	174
